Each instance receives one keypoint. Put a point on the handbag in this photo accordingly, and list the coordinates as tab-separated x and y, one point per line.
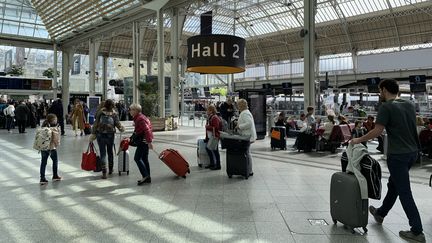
135	140
275	134
88	161
213	142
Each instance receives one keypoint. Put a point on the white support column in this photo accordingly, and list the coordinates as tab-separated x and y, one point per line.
55	84
149	64
104	77
93	54
175	37
266	70
161	62
182	84
67	60
309	53
136	61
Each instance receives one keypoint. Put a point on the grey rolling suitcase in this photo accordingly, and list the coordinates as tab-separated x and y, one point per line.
346	204
202	157
123	162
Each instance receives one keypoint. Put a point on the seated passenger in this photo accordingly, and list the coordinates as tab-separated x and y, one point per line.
328	127
343	120
420	124
370	123
359	131
301	123
280	120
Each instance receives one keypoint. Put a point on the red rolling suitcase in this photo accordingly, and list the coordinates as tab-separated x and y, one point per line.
175	161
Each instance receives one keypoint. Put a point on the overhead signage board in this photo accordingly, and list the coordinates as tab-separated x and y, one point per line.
216	54
372	84
417	83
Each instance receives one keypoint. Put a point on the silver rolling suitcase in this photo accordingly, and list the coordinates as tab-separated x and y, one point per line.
202	156
346	204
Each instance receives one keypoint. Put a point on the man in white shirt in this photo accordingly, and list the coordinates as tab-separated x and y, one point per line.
9	113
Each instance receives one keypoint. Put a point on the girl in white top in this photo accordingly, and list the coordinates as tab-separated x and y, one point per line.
246	126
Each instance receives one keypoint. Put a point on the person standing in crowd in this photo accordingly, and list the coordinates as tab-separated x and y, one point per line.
227	110
9	112
246	126
104	130
213	127
143	129
31	119
398	117
77	117
51	122
57	109
22	113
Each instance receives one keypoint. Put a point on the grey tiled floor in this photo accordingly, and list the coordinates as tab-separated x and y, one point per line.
274	205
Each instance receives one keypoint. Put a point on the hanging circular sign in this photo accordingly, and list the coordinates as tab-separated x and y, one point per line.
216	54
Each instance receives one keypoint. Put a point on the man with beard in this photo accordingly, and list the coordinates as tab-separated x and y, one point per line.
398	117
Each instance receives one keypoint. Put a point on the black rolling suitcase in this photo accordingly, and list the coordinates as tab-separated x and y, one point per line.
346	204
237	163
237	160
306	142
278	138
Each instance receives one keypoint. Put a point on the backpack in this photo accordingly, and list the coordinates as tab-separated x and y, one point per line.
43	138
223	125
106	123
371	170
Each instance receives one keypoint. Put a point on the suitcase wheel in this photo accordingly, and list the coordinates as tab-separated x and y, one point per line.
119	173
200	165
246	177
334	221
230	176
184	177
127	173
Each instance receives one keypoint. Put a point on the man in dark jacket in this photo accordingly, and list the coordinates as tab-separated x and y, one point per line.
227	110
22	113
57	109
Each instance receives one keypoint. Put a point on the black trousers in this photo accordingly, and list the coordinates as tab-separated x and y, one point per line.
21	125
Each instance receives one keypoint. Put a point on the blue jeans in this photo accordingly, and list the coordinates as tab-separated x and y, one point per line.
399	185
106	143
214	157
141	159
45	155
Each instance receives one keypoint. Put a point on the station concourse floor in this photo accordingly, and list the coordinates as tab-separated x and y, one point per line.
288	191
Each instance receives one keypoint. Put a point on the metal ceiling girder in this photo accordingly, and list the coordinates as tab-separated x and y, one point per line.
25	41
343	21
133	15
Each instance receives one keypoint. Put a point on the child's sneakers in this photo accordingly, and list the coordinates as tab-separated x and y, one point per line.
56	178
43	181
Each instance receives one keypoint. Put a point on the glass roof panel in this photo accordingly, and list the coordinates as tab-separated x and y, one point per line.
18	17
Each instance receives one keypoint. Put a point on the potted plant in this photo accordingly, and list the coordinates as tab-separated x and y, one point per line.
149	102
49	73
15	71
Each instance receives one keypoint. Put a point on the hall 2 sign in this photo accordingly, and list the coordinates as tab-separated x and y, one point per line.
216	54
